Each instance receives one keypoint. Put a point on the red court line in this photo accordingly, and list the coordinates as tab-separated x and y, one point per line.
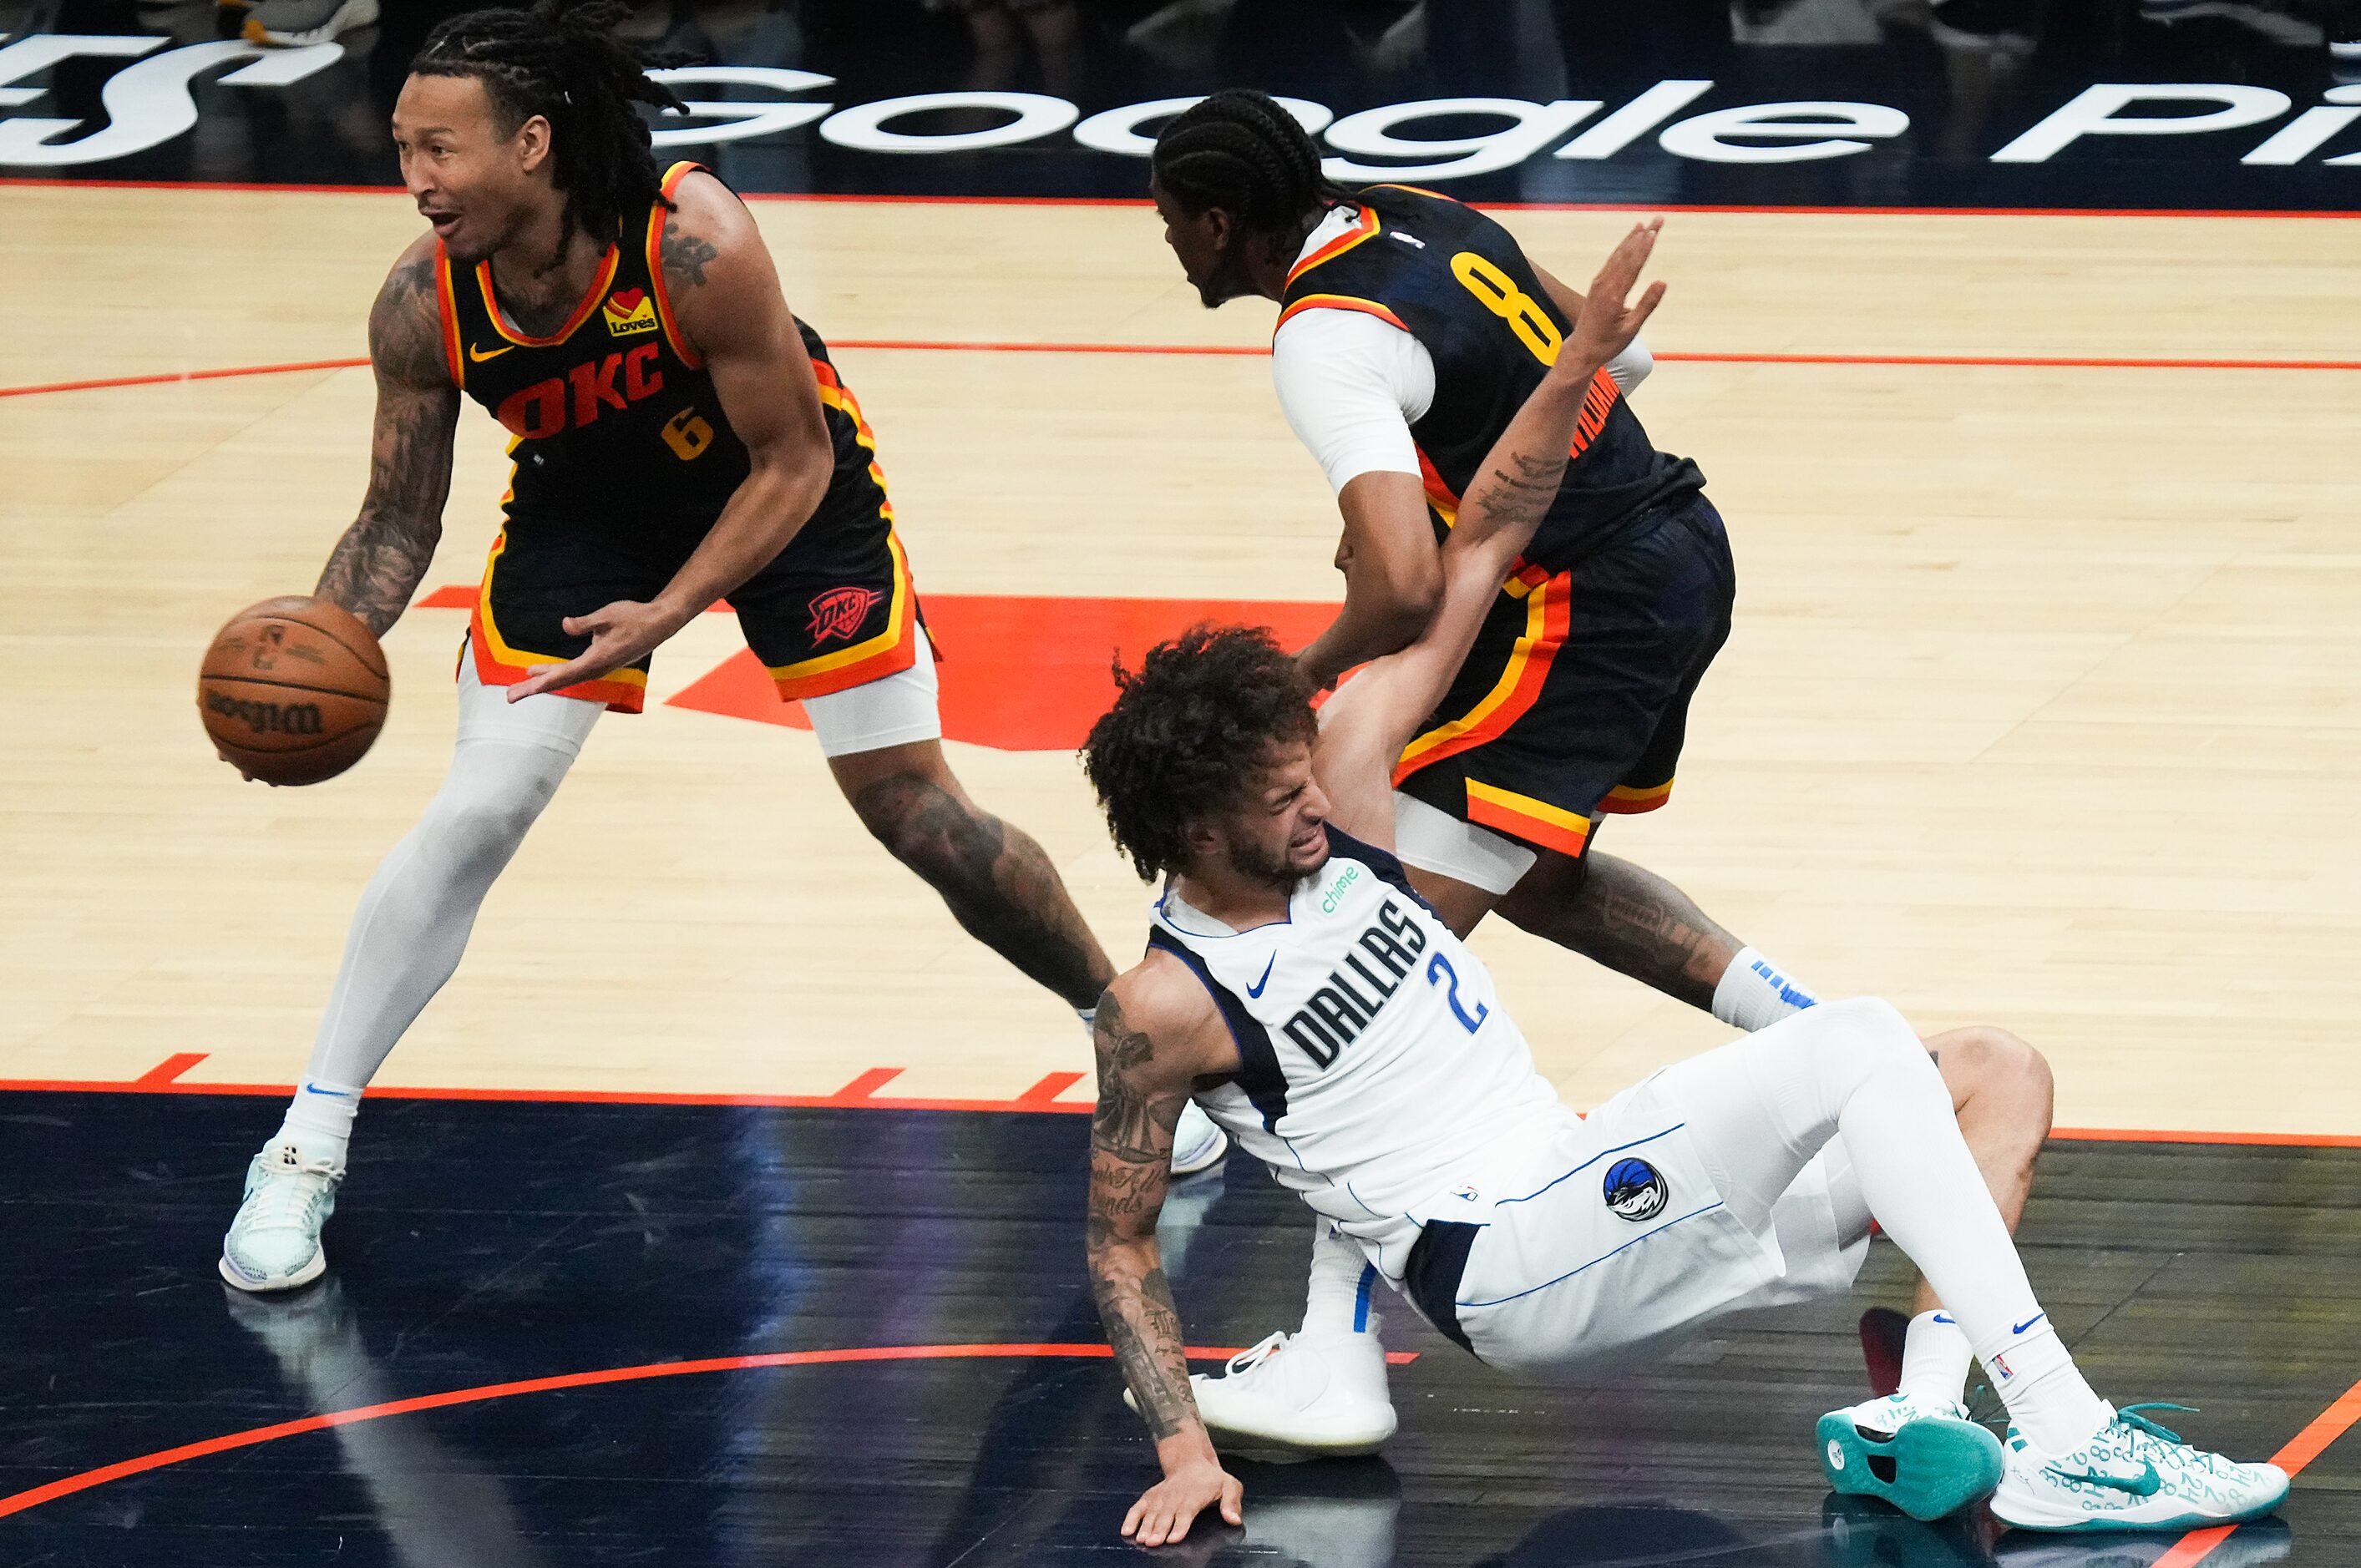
34	182
1052	1085
34	1496
860	1094
221	375
2301	1450
170	1067
861	1088
1253	351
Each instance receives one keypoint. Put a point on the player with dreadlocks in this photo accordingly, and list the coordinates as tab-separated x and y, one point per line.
1410	330
678	436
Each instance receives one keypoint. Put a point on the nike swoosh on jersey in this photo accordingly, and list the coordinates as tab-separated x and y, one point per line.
2147	1484
479	356
2029	1322
1255	990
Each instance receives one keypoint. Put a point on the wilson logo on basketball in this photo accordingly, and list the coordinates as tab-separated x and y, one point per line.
836	614
629	312
268	717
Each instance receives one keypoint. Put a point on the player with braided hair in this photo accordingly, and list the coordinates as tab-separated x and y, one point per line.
678	436
1411	329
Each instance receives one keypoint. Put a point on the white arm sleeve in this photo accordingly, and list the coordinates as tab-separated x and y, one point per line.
1350	385
1632	367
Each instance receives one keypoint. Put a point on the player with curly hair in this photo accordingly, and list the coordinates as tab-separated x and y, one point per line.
1299	988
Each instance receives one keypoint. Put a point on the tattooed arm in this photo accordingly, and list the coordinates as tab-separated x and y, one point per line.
1157	1034
1364	726
382	557
725	295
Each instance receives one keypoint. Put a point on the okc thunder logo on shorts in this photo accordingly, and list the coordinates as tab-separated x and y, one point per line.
839	613
1634	1189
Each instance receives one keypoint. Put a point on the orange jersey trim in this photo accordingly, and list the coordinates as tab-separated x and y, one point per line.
835	394
591	302
1625	801
499	665
893	650
1415	190
672	179
1535	821
1336	303
1368	228
448	304
1548	614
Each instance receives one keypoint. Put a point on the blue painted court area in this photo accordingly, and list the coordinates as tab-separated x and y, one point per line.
481	1245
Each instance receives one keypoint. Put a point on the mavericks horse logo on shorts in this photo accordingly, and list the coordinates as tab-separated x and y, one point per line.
1634	1189
839	613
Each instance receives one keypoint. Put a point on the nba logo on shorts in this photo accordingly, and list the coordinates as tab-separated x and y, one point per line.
1634	1189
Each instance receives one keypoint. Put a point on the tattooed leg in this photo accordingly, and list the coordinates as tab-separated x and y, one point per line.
996	880
1628	918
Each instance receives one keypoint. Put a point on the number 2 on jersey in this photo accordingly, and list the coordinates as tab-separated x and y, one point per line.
1440	972
1499	293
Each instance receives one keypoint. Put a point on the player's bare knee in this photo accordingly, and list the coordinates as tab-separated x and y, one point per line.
2000	1071
934	833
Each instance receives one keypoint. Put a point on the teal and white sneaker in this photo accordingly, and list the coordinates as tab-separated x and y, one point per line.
274	1243
2134	1475
1922	1456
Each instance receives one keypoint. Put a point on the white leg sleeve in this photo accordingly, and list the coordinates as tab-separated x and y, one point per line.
1761	1106
415	917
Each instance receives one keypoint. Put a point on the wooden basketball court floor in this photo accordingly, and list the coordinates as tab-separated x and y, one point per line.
725	1207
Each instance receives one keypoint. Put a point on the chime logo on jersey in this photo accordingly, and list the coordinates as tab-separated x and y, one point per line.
629	311
837	613
1634	1189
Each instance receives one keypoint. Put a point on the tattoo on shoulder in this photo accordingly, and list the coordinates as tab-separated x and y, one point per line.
684	255
406	325
1127	1124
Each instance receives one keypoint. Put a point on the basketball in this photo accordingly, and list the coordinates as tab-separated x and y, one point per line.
293	690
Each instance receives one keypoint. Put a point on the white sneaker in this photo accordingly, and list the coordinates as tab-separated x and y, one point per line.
2132	1475
1197	1143
274	1243
1922	1456
1290	1399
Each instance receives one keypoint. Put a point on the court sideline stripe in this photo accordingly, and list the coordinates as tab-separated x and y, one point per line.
862	1094
1250	351
2301	1450
34	1496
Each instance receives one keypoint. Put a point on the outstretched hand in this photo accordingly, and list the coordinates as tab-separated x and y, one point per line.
1606	326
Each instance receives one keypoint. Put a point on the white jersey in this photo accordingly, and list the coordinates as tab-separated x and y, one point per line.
1381	1079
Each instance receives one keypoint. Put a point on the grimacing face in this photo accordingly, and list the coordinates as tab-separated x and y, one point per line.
476	187
1278	833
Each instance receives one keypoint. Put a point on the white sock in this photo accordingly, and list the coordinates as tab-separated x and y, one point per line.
319	1119
2043	1390
1935	1357
1341	1302
1753	992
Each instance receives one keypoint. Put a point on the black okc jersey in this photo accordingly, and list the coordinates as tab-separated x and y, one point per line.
624	461
1456	281
1574	700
